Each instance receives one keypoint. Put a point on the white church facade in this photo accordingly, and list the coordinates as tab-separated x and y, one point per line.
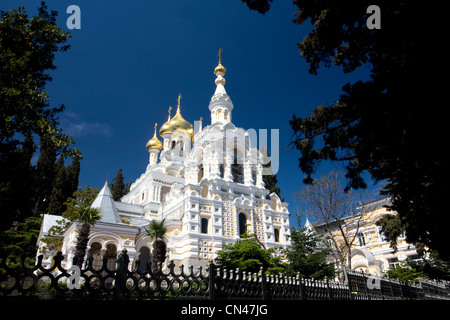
207	185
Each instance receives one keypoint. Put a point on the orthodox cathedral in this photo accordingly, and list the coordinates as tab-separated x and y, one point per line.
206	183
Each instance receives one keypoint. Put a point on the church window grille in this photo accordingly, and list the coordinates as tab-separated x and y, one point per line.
242	223
204	225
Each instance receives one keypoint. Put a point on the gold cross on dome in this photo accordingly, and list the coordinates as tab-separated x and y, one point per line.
170	108
220	55
156	124
179	98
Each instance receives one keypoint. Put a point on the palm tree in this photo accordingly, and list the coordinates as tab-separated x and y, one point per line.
156	230
88	217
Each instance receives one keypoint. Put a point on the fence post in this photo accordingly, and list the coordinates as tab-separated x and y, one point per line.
349	283
121	275
365	285
329	292
299	276
265	291
212	276
392	289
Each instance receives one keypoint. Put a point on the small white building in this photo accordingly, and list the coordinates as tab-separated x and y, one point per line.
207	185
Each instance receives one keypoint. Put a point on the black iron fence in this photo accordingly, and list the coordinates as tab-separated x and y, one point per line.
367	286
211	283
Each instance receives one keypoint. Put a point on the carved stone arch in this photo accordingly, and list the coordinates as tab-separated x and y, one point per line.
171	171
143	241
229	126
197	154
194	194
205	190
104	238
364	260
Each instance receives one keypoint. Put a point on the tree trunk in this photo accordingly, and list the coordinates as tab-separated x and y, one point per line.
158	254
82	241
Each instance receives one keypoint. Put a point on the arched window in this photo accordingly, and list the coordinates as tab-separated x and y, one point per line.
204	226
277	234
200	172
144	258
110	255
242	223
205	191
95	252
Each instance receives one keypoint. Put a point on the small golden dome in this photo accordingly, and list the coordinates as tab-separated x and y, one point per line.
220	68
154	142
167	128
178	121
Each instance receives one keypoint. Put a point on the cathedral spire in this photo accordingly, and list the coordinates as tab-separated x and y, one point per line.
220	105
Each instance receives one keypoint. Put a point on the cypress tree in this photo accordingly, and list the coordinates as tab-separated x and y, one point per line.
72	173
44	177
118	187
56	205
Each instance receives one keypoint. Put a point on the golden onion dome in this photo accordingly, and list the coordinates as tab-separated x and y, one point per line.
154	142
178	121
167	128
220	68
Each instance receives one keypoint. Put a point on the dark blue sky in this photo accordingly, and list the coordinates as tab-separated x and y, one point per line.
130	60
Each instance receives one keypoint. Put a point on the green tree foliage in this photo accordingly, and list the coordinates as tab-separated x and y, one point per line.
27	50
118	187
247	254
64	184
307	255
21	240
270	180
392	228
390	125
79	201
156	231
262	6
44	176
404	273
432	268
